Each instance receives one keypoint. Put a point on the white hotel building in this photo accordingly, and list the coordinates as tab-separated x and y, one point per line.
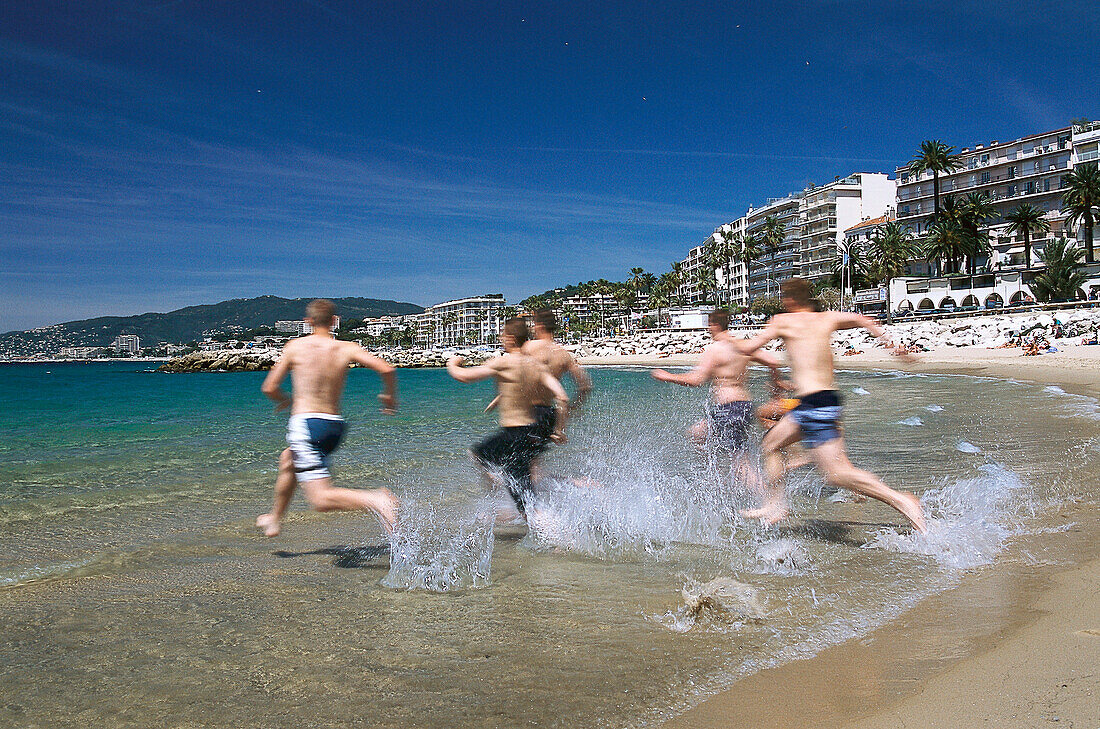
814	221
460	322
1031	169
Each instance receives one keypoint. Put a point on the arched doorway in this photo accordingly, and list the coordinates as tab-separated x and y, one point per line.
925	305
1017	298
905	305
947	303
970	301
994	301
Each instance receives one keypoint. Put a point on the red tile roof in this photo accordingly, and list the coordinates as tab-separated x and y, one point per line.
868	223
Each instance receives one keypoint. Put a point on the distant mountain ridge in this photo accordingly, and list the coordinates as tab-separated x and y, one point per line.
189	323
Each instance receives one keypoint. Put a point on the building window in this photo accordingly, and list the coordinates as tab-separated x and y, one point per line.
1011	190
1012	171
1046	185
904	209
985	177
985	159
1029	188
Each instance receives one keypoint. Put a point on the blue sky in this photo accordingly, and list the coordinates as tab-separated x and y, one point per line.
161	154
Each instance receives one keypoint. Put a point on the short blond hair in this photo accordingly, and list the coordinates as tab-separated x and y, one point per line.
321	312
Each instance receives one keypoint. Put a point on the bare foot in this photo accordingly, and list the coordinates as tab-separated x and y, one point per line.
912	510
768	514
269	523
385	508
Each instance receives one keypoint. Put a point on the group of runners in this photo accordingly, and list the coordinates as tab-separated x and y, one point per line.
533	409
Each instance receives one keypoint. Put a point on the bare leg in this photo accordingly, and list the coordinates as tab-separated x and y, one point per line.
323	496
774	507
746	472
832	459
285	484
698	435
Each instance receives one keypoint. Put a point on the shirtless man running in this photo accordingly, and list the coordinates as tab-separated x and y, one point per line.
318	367
729	415
522	382
816	420
560	363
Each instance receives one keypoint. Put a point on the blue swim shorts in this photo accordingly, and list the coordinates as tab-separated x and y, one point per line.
312	437
818	415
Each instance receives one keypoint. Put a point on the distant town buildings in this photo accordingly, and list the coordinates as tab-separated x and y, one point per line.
81	352
127	343
461	322
301	327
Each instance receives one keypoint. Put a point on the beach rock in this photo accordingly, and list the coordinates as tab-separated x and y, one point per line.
724	598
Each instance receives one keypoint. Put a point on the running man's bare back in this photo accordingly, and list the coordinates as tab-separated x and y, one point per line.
318	367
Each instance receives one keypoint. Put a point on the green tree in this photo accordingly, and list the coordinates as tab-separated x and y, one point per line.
936	157
1025	219
749	253
658	299
706	282
975	210
1064	273
1080	199
890	248
944	240
771	237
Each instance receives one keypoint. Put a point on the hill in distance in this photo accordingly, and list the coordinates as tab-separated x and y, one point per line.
189	323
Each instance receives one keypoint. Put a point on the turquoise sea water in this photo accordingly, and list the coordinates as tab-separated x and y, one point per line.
136	592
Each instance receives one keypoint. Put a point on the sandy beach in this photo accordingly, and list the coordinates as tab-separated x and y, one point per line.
1014	649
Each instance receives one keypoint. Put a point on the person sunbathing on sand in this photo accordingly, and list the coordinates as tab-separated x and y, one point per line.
815	421
318	367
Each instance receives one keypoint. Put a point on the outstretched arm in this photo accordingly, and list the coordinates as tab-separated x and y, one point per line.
561	399
749	347
583	382
696	377
848	320
388	396
476	373
272	386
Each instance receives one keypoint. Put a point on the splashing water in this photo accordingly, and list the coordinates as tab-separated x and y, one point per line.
934	408
441	549
965	447
860	391
969	520
913	421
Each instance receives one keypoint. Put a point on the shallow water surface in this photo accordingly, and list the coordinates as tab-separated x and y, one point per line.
136	593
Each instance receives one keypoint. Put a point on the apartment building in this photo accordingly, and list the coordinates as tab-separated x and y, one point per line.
461	322
782	262
127	343
1031	169
826	211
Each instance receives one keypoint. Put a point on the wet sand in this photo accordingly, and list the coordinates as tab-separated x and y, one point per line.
1011	648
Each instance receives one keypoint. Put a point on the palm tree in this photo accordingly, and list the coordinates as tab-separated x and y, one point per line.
1064	274
975	211
658	298
771	238
636	277
1025	219
706	281
937	157
676	279
1080	199
890	248
750	251
943	242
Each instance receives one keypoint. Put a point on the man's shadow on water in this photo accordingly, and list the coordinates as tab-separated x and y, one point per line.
349	557
849	533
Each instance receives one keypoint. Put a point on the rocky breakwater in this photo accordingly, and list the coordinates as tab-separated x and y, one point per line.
979	331
655	344
223	360
260	360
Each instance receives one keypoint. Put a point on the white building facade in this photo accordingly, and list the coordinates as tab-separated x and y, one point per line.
461	322
127	343
826	212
